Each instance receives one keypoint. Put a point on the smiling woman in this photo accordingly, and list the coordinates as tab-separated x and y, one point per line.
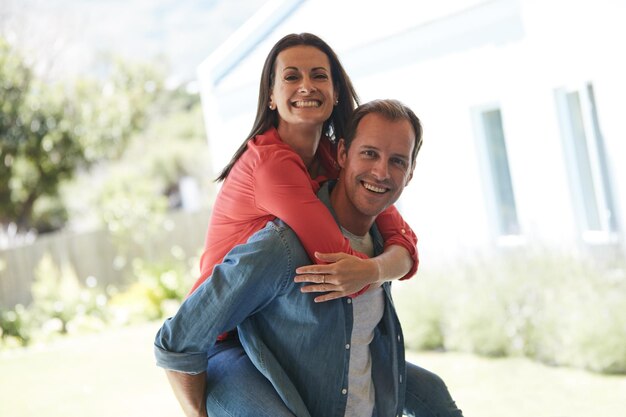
304	96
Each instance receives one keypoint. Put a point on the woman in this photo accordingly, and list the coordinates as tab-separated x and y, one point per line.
305	96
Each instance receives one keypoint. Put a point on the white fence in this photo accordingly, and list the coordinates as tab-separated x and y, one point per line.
93	254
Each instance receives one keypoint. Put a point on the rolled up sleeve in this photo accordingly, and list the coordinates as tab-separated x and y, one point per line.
250	276
164	343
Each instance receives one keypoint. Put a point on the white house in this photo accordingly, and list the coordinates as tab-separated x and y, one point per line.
521	102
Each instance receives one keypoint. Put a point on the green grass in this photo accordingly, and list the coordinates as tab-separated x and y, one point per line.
113	374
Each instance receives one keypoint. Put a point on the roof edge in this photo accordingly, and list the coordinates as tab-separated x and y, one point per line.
243	41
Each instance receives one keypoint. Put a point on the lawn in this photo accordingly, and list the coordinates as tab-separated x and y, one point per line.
112	374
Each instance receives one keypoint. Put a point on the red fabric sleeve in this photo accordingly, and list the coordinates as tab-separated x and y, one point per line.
283	188
396	231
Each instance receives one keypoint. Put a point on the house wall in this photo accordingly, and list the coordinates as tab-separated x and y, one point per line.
450	63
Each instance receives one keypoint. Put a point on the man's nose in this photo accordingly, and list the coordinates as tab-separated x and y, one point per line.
380	169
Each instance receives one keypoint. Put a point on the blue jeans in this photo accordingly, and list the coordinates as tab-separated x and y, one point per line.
235	388
427	395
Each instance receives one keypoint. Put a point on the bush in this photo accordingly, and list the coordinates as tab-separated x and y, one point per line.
15	327
63	305
554	308
156	292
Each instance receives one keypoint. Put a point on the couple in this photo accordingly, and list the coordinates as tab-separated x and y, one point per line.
343	354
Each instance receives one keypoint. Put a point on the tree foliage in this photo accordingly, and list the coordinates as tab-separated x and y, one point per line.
49	131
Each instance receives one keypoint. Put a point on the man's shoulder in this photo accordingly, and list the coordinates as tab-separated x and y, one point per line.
278	236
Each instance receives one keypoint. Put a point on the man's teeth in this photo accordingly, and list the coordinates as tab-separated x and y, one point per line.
307	103
374	188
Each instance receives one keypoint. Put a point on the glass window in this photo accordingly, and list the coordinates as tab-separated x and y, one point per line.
586	160
499	172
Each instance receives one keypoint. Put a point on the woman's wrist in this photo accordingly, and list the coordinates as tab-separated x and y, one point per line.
377	270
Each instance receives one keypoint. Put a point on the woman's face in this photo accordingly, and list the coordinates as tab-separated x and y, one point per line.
303	91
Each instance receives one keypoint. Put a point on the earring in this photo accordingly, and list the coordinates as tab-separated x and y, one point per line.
336	102
271	106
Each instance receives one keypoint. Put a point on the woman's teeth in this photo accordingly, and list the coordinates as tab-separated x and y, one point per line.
308	103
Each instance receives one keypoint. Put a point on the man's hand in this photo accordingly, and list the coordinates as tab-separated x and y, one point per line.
342	276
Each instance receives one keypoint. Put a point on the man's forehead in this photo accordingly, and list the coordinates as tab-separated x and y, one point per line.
377	131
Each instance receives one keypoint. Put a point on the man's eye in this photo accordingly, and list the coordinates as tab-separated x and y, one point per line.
370	154
400	162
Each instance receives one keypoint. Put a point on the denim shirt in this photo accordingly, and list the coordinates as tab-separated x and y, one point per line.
302	347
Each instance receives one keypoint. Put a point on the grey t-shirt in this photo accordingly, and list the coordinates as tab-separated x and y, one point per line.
367	312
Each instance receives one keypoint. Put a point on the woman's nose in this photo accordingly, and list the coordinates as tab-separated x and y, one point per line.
306	86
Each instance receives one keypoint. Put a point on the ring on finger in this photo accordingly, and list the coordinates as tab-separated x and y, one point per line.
323	279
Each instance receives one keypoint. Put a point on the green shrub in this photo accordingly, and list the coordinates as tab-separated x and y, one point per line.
61	304
157	290
15	327
423	327
555	308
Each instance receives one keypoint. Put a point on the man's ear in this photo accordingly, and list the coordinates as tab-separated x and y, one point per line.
342	153
408	180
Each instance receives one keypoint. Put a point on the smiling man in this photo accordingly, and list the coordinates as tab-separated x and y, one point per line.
344	357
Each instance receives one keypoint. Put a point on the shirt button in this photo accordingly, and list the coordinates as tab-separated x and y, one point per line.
344	391
398	338
400	378
347	345
349	300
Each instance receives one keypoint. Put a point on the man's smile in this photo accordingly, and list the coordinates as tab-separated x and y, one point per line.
373	188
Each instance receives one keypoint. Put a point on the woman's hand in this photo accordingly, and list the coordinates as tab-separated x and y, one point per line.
343	275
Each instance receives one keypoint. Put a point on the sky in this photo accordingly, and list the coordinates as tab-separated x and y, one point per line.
72	32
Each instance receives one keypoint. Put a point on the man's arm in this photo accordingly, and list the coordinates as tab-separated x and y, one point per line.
189	390
251	275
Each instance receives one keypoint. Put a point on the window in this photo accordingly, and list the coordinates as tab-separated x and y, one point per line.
586	162
498	176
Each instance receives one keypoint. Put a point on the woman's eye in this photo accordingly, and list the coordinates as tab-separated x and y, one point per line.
321	76
291	77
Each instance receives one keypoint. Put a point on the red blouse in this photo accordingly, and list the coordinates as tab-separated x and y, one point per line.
270	180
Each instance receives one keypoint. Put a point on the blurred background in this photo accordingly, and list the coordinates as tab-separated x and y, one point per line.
115	117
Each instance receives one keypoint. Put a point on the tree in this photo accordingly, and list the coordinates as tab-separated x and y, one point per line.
48	131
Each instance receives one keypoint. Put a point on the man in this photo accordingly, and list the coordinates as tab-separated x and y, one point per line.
344	357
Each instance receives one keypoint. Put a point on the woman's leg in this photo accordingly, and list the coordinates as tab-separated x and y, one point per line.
235	388
427	395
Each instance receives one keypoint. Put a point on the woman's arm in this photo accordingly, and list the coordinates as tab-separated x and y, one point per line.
284	189
391	264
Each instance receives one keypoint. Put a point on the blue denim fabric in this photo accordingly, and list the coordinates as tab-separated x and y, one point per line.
301	347
235	388
297	344
230	369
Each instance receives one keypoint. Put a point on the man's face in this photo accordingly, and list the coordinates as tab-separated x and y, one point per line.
377	166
